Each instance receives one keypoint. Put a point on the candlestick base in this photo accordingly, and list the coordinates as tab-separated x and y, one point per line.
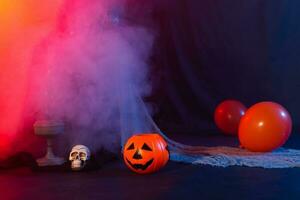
42	162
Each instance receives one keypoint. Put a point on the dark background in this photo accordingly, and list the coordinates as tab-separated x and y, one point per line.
209	51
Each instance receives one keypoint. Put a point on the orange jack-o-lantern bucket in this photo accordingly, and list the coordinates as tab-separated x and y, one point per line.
146	153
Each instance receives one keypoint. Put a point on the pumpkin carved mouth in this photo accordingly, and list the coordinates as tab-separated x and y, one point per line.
140	166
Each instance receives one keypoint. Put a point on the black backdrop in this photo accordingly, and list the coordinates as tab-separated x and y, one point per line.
208	51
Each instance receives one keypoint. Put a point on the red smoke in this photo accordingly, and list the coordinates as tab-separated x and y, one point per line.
22	24
68	59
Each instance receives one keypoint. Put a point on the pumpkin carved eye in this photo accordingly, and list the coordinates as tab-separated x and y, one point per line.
146	147
131	147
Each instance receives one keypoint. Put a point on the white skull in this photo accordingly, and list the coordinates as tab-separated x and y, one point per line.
78	157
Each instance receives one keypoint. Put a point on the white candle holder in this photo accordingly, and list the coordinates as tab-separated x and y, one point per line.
49	129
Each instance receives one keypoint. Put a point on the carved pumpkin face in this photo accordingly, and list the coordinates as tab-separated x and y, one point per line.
145	153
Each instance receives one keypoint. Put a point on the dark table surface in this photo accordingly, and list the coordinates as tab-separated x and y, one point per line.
175	181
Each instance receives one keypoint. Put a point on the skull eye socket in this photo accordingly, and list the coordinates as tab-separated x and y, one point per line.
131	147
146	147
82	155
74	154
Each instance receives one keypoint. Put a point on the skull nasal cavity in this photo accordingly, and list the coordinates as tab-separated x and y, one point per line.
137	155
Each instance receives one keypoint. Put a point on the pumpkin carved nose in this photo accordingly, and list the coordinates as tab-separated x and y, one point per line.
137	155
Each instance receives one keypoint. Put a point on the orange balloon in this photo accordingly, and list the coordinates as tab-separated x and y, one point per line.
265	127
228	115
145	153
